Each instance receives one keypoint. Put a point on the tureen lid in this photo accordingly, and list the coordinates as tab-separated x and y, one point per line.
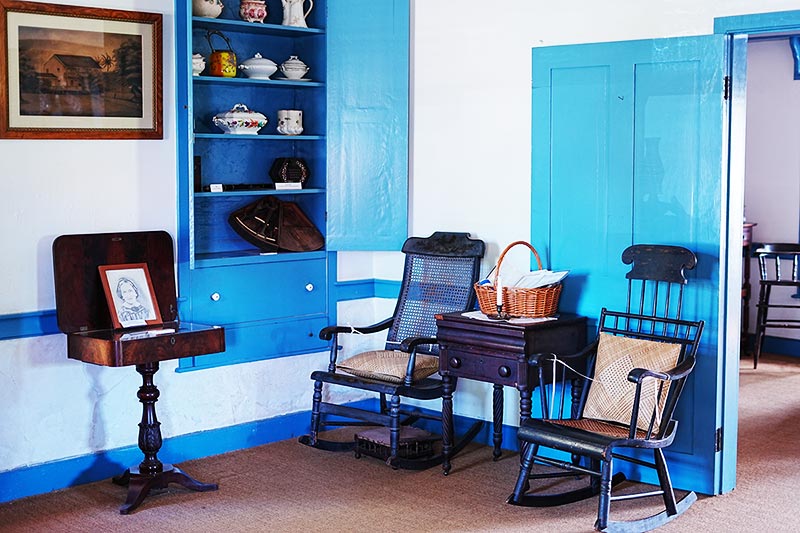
240	112
257	60
293	62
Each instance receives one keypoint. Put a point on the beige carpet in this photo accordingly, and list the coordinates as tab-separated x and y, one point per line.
286	487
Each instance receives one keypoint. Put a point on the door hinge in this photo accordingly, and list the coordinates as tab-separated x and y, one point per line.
718	440
726	87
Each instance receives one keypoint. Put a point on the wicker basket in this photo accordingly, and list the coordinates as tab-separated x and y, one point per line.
519	302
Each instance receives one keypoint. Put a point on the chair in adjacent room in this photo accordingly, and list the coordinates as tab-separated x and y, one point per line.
626	401
777	303
438	277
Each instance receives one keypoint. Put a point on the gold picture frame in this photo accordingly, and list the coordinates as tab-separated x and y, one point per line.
71	72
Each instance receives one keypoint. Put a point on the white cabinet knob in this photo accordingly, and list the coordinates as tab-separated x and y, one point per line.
215	297
310	287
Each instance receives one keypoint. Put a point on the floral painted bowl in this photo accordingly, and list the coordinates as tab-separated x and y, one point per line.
240	120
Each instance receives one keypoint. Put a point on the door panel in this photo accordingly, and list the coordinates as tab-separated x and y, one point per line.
627	148
368	60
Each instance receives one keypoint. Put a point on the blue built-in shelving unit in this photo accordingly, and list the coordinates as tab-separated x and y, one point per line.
355	143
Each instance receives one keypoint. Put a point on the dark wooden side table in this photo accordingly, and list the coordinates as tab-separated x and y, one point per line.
497	352
84	316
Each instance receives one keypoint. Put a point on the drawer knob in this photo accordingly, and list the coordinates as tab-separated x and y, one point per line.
309	287
455	362
172	341
504	371
215	296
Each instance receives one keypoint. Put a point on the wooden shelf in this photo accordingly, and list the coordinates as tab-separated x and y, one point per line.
252	257
265	192
282	83
253	27
250	137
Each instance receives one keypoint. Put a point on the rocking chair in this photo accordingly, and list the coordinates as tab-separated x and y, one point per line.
439	275
637	370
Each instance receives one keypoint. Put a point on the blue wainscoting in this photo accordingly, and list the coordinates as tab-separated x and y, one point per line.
37	323
33	324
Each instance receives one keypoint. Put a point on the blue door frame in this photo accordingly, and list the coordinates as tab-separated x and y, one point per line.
738	29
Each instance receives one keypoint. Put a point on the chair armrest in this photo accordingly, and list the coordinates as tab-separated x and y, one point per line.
411	343
638	375
537	359
682	370
327	333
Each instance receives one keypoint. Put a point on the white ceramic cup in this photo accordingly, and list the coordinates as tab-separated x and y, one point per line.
290	121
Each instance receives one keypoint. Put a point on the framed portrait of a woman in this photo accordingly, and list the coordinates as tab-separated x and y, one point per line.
130	296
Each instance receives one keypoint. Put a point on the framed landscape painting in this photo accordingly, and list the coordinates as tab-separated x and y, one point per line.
71	72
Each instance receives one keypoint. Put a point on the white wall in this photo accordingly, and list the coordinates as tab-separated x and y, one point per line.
472	107
471	172
772	166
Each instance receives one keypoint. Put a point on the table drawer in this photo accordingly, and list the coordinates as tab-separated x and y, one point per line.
498	370
119	348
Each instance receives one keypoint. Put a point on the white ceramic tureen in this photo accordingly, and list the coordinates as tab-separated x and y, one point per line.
293	68
240	120
258	68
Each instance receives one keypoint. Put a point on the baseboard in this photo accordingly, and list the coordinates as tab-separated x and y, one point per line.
72	471
63	473
773	345
781	346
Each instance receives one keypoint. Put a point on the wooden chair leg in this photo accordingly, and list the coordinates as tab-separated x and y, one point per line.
315	413
394	430
604	500
761	320
665	482
526	464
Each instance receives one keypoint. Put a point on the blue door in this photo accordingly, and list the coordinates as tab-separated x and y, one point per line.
628	148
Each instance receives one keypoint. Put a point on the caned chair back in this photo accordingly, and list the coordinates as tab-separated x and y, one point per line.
438	277
605	392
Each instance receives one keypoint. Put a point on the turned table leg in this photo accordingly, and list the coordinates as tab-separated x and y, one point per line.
152	473
497	420
448	385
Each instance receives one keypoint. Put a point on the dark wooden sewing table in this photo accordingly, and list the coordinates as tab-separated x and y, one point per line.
84	316
497	352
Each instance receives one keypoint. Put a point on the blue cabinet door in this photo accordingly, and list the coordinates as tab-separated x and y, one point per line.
368	51
628	148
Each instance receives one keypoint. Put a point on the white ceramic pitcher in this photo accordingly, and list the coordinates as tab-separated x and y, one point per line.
293	14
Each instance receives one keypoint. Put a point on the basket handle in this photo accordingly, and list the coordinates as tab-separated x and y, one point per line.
503	254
